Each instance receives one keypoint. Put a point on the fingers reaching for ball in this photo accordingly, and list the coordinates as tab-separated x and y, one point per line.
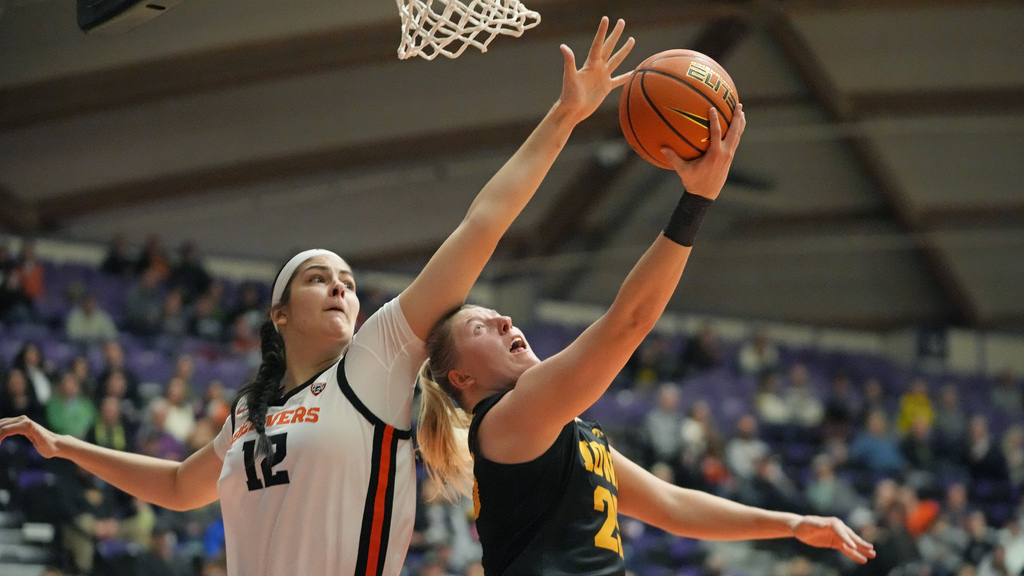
706	175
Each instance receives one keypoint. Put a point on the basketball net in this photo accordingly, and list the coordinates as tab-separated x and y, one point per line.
427	33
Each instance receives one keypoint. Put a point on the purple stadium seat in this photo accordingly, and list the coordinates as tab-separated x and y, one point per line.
234	372
150	366
29	331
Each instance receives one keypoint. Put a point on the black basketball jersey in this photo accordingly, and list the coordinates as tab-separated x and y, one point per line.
555	515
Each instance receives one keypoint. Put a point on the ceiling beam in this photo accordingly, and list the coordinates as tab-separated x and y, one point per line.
840	110
964	217
263	60
960	100
18	216
795	7
53	212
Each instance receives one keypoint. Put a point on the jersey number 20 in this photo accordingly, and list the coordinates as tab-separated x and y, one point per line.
270	477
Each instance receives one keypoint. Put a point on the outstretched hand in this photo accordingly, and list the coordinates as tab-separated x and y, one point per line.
583	90
706	175
44	441
833	533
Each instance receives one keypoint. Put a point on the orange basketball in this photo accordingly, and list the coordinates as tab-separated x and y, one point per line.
666	103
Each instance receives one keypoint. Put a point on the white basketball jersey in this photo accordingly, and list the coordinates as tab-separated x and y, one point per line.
337	496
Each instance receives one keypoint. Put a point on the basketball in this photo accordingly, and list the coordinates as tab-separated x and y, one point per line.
666	103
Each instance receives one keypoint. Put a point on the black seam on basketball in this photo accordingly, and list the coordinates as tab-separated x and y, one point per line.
691	87
629	118
650	102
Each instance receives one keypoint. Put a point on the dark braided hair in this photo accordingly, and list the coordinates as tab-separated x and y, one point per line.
268	382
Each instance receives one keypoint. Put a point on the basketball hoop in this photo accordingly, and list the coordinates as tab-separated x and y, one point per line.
427	33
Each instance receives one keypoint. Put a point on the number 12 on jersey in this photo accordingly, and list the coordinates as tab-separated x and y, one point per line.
270	477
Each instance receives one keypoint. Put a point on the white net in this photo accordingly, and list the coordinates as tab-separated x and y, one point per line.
427	32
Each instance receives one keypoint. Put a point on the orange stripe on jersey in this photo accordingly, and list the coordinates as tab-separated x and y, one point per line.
380	501
377	510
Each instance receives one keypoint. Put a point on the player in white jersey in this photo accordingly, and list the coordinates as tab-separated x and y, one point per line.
315	467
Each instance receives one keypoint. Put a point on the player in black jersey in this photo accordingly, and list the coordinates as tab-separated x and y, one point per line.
547	486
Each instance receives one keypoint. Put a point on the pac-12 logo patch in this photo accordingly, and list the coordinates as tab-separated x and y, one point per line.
317	388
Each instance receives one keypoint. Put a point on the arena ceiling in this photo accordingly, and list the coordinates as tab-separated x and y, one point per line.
880	182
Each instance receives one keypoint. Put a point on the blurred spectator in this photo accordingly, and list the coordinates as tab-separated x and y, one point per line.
205	323
33	279
153	259
828	494
703	351
189	274
69	411
249	306
984	458
80	368
111	430
185	368
117	262
956	508
699	434
154	440
769	487
88	323
143	304
745	450
173	318
37	371
1013	453
663	427
894	522
981	539
920	513
243	340
915	404
164	558
842	405
769	404
113	359
15	304
758	356
995	563
950	422
181	418
17	400
1011	538
445	524
216	405
651	363
875	449
1007	396
920	451
874	401
96	527
803	402
942	547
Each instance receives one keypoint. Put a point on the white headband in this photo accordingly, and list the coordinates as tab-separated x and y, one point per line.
286	273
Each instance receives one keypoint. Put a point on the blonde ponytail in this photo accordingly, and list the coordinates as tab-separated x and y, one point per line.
442	434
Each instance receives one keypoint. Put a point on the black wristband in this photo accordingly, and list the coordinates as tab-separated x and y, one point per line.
685	222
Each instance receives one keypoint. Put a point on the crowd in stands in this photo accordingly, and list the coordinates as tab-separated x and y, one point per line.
144	353
937	485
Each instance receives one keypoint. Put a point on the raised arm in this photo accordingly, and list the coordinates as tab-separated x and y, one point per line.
175	485
449	275
696	514
551	394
